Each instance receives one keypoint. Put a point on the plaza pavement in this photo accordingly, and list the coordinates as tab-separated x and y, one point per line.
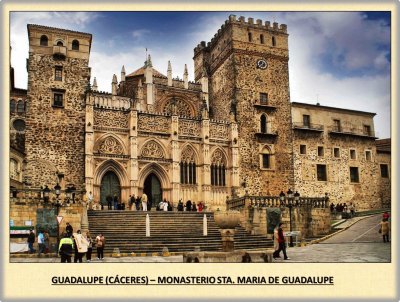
357	240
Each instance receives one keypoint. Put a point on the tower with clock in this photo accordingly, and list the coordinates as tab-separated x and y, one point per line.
247	66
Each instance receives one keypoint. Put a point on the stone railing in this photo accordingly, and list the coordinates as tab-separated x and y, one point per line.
276	202
35	196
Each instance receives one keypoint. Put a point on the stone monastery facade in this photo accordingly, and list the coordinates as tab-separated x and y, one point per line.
233	130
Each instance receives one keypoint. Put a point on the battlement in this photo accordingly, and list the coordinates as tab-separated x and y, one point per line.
274	28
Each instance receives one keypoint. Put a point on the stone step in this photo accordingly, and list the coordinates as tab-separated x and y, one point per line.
179	231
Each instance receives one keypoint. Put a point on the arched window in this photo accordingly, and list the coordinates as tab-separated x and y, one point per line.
44	41
14	171
188	166
75	45
262	39
273	41
13	104
21	106
250	37
60	43
263	124
266	158
218	170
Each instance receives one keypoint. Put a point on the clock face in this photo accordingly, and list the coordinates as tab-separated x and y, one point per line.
262	64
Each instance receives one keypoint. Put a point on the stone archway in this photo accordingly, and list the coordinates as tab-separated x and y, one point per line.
110	185
153	189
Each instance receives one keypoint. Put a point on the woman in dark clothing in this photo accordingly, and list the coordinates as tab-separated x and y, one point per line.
188	206
180	205
194	208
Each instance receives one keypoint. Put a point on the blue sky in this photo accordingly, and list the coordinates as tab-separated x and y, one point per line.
341	59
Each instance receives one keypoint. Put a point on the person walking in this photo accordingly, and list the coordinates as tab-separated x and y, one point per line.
137	203
100	243
31	241
282	244
41	242
89	240
109	200
65	248
116	201
188	206
46	241
144	202
80	245
384	229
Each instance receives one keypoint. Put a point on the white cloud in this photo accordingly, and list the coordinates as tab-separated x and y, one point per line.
348	38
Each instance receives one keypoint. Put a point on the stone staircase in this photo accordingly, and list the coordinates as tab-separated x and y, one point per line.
178	231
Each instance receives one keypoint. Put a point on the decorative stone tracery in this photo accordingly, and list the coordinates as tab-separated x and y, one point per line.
188	155
178	107
154	123
152	150
218	158
111	146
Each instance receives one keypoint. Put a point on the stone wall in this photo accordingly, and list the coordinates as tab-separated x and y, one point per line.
55	140
384	158
364	193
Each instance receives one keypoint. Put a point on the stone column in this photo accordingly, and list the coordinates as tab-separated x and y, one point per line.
89	144
133	170
206	181
175	158
235	155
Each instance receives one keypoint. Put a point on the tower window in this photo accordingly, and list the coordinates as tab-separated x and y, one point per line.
306	120
60	43
303	149
250	37
262	39
44	41
58	73
21	106
58	98
384	171
266	161
320	151
354	174
13	104
266	158
352	154
273	41
263	124
336	125
368	155
336	152
321	173
367	130
263	98
75	45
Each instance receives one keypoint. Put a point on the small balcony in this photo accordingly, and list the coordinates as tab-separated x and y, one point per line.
270	134
308	127
351	131
59	51
264	106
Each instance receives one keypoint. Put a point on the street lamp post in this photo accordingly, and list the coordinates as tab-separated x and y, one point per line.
46	194
290	205
68	194
57	205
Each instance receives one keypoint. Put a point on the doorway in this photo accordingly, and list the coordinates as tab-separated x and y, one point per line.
153	190
109	186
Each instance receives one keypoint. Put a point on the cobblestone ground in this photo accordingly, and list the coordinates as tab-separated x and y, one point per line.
359	243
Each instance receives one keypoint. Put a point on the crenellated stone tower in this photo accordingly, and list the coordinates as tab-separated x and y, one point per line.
247	67
58	75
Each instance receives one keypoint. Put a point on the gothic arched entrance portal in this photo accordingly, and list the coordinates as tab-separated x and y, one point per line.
153	190
109	186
